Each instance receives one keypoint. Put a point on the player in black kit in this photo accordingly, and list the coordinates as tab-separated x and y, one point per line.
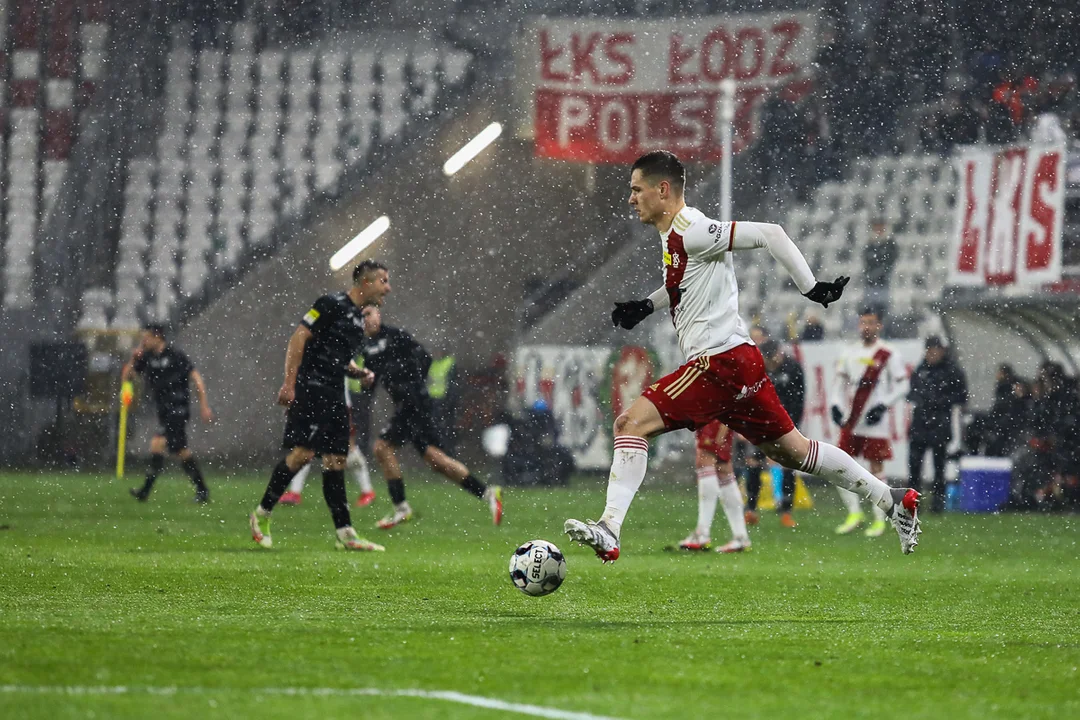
167	370
402	364
320	352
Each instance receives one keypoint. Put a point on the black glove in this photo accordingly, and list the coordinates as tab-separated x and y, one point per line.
874	415
628	314
837	416
827	292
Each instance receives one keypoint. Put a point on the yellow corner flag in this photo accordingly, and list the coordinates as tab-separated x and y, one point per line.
126	394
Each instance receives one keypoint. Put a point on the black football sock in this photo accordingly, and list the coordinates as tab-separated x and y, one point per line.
191	467
396	488
474	486
787	490
333	489
157	462
279	480
753	487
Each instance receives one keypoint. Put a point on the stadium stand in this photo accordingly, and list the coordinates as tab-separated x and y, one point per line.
52	57
911	194
249	136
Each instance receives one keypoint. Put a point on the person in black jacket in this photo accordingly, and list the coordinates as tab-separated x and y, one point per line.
938	390
402	364
787	375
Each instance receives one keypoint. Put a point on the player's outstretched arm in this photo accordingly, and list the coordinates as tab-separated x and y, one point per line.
752	235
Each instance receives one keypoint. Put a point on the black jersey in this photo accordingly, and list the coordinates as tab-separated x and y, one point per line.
167	372
400	363
337	330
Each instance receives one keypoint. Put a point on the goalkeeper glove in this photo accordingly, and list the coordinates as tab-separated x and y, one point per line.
628	314
837	416
827	292
873	417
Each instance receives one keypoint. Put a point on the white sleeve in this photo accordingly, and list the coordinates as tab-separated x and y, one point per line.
753	235
707	239
660	298
899	380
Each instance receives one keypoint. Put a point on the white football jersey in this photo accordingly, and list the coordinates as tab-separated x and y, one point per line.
891	386
699	276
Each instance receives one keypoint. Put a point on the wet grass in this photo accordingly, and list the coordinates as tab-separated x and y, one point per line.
98	591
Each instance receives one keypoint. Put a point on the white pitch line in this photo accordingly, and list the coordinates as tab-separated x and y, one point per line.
445	695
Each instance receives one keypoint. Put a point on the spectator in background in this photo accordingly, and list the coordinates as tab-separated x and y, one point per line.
1008	415
787	376
813	330
1053	418
879	258
445	390
938	392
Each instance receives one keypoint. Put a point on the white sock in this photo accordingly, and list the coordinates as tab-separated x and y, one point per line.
356	462
628	466
851	500
879	514
345	532
296	485
836	466
262	512
731	499
708	492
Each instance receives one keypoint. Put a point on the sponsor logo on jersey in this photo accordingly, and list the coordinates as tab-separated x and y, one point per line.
751	390
667	258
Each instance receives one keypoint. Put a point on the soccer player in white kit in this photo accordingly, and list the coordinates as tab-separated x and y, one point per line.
724	376
870	379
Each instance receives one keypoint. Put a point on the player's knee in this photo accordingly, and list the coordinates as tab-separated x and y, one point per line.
382	450
298	458
333	462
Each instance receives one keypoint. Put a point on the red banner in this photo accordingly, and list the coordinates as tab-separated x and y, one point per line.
1009	212
608	91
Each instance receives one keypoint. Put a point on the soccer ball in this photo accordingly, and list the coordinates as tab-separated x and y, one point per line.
537	568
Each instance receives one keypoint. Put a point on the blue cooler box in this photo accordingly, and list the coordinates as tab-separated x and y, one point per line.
984	483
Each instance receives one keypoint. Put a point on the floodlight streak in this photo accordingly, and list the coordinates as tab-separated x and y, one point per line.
472	148
355	246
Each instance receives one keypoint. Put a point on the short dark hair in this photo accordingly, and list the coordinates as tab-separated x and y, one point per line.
364	269
663	165
870	310
155	329
769	348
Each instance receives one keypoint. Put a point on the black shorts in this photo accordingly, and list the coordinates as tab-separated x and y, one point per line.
413	424
174	429
318	422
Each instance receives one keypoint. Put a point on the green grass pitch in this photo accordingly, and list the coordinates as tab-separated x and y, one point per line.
174	603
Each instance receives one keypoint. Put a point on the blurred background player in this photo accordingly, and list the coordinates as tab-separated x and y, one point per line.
870	378
168	372
358	400
938	394
319	354
716	482
787	376
402	364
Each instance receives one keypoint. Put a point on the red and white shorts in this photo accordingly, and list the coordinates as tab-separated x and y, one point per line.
715	439
872	449
731	387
